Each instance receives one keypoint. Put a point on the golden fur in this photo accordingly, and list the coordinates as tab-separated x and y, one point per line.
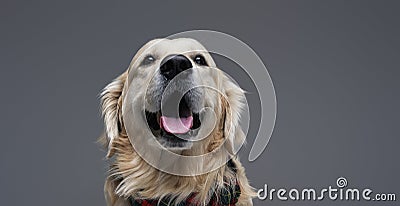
130	175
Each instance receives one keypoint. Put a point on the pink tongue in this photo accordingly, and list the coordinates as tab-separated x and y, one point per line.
176	125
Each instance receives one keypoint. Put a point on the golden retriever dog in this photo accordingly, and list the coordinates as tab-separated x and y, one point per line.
172	130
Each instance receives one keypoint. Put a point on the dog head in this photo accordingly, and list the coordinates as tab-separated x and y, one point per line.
173	96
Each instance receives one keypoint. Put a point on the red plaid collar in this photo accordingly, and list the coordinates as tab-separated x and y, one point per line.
228	196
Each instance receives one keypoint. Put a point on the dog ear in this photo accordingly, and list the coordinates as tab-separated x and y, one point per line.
111	103
232	106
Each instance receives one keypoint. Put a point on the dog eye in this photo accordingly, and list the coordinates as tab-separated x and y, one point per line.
148	60
200	60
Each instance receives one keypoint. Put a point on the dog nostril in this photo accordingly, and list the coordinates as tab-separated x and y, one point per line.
174	64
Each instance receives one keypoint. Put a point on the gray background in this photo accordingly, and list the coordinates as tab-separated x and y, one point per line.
334	65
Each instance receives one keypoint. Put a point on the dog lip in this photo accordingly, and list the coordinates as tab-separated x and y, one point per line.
153	120
179	123
167	139
174	125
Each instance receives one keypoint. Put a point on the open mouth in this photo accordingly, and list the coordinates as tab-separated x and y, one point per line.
171	127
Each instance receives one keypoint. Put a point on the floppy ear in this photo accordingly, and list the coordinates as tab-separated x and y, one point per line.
232	105
111	103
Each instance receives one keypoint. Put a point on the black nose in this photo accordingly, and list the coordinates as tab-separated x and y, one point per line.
173	65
